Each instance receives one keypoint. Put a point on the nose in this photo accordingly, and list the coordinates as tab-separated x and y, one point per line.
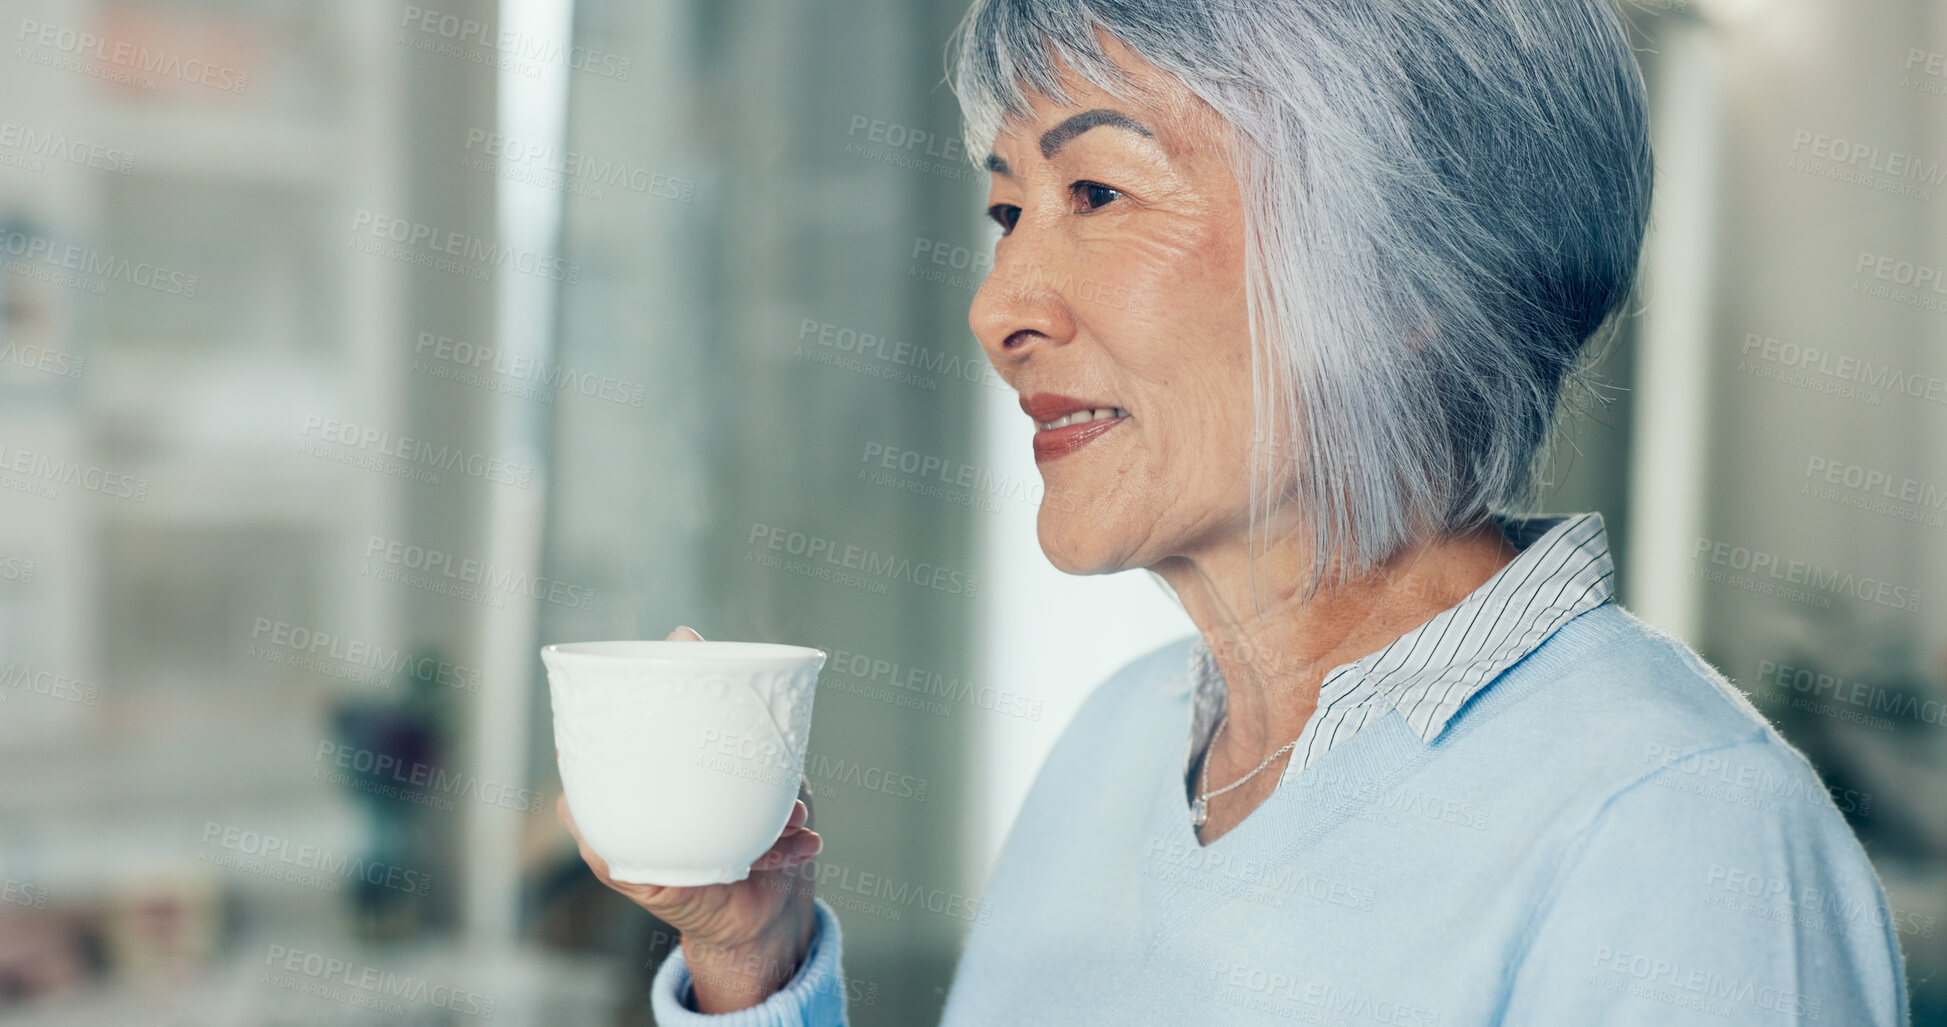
1019	308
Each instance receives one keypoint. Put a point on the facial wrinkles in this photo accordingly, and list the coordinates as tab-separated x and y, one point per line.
1161	374
1209	391
1164	343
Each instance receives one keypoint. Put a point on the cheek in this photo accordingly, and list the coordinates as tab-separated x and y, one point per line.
1224	423
1185	282
1157	265
1200	434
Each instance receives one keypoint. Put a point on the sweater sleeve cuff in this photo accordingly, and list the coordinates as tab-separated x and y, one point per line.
814	997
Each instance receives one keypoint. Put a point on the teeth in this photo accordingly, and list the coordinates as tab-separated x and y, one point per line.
1079	416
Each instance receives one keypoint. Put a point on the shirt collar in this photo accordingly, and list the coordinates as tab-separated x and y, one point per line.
1563	569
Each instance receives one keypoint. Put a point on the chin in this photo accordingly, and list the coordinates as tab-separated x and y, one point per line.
1077	544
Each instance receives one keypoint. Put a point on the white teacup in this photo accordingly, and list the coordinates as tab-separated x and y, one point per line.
681	760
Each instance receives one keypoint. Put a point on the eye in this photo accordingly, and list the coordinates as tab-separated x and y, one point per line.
1094	195
1004	215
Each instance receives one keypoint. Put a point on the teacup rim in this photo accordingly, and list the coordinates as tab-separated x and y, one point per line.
664	651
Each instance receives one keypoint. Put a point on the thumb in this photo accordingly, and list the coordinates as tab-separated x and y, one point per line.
684	633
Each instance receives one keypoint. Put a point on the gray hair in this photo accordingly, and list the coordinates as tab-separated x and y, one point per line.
1443	201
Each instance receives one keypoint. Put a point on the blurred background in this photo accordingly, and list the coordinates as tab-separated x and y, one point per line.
350	350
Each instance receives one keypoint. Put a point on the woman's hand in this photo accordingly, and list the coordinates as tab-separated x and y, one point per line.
742	941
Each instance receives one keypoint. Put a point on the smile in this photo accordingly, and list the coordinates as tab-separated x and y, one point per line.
1068	434
1084	416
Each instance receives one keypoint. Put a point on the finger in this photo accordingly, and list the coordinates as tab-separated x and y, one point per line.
683	633
783	840
790	842
799	814
804	796
803	848
790	852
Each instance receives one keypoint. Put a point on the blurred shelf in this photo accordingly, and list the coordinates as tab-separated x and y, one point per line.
122	759
135	783
81	858
528	987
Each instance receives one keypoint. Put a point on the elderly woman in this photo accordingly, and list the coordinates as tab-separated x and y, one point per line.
1291	290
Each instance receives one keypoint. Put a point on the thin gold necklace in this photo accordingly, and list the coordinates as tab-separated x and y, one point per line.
1200	809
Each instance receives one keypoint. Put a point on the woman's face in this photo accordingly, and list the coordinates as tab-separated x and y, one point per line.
1119	282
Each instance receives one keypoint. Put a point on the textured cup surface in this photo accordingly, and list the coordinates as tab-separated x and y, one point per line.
681	760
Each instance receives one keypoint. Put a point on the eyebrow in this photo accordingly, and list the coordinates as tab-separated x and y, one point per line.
1053	139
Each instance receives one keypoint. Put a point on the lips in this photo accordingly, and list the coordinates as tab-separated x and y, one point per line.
1046	407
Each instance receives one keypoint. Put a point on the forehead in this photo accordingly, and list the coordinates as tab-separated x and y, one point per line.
1149	102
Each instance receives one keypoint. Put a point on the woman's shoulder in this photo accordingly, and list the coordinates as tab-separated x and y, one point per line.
1095	768
1614	703
1610	679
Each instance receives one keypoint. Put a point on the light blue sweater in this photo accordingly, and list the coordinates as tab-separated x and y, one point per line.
1609	834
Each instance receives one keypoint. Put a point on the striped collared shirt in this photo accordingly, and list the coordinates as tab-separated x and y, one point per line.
1427	674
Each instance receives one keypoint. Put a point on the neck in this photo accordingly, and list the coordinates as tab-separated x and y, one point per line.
1274	662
